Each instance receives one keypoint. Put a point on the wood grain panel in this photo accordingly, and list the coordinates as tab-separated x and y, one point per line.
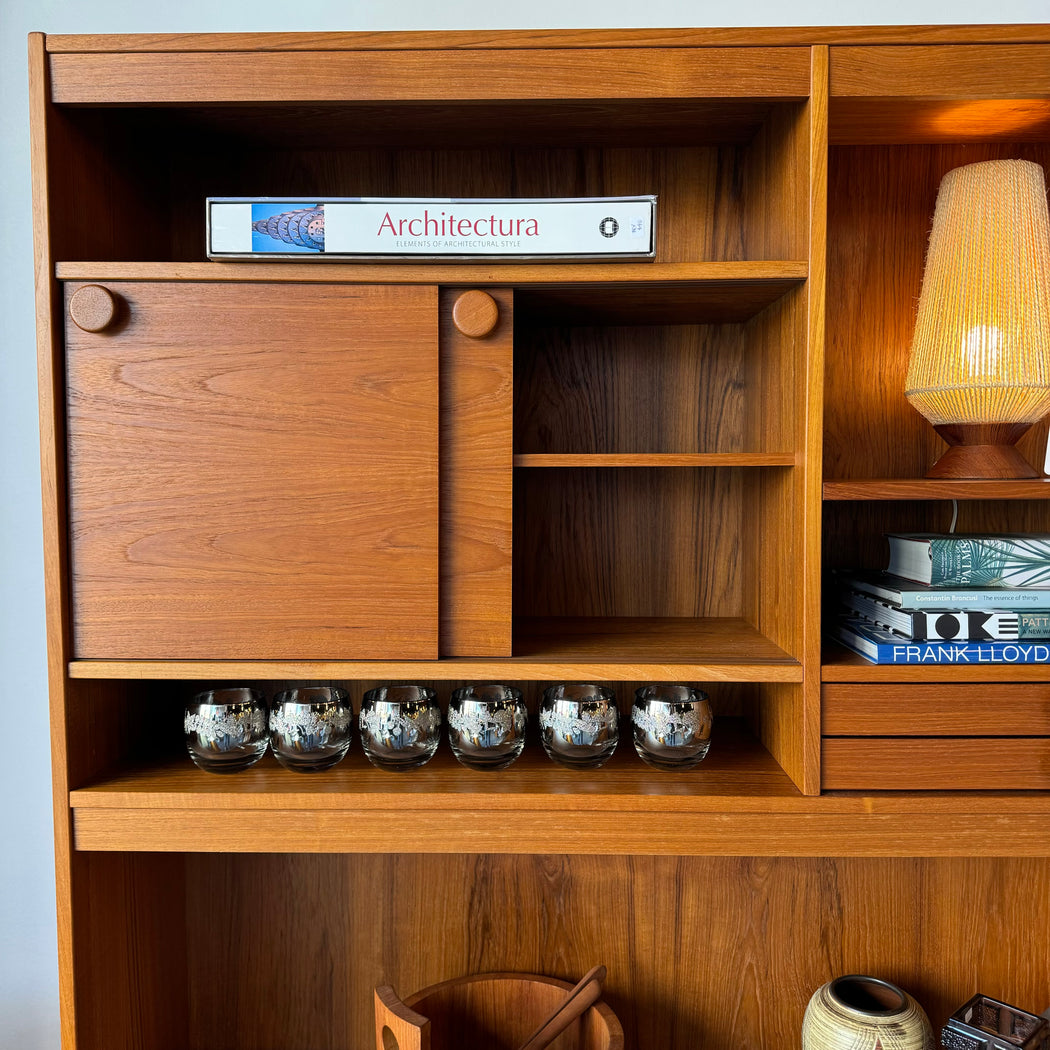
243	487
937	709
936	763
862	120
630	542
636	390
751	833
477	483
956	72
452	75
129	938
680	971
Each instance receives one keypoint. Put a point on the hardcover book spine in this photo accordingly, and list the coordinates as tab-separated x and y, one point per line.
987	562
967	654
606	228
947	624
923	597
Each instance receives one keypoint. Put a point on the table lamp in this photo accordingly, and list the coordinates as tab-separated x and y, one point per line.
979	369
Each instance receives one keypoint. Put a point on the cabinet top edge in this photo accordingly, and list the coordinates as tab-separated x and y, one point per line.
549	38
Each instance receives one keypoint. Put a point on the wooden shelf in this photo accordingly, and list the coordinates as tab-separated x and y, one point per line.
655	459
737	801
841	665
617	649
660	293
933	489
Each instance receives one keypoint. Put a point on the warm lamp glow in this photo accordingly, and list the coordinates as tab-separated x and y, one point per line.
980	359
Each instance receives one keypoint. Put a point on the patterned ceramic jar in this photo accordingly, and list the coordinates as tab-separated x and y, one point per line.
864	1013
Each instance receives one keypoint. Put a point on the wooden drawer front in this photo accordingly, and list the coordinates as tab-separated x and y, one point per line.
935	764
905	737
253	473
941	709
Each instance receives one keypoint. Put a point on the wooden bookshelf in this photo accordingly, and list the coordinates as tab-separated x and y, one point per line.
273	473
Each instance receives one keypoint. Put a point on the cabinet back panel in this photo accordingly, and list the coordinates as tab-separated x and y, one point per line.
661	389
129	933
629	542
288	949
880	208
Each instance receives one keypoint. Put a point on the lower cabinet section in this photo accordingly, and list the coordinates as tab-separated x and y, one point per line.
237	952
955	737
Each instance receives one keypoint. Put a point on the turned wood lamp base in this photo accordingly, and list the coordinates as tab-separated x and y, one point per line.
982	450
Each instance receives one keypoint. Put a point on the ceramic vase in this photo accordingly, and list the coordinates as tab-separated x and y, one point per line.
855	1012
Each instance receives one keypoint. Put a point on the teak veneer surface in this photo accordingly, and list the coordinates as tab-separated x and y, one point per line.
961	71
140	78
710	895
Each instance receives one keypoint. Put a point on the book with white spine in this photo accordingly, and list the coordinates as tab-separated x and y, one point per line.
434	228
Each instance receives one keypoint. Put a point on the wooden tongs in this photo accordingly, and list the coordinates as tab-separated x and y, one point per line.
576	1001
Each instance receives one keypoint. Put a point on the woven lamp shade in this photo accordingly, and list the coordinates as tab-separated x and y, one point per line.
980	360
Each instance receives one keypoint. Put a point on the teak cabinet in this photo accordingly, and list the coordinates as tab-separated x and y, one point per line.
306	472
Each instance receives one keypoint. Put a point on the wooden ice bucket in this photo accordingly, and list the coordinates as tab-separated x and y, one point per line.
489	1011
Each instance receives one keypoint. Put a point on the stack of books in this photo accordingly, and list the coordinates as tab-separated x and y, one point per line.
950	599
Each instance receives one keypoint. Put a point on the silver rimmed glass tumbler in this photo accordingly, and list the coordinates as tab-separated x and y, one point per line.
671	725
486	725
226	729
310	727
579	724
400	726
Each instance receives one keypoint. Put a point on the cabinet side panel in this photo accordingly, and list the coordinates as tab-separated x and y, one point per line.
477	476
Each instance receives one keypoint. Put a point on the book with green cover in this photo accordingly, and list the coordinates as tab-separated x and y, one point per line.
955	560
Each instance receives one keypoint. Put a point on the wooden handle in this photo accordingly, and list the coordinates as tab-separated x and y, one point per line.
576	1001
92	307
475	313
409	1030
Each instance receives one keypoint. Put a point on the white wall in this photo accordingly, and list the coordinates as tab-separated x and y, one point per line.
28	982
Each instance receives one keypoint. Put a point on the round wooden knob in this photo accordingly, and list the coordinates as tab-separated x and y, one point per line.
475	313
92	307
